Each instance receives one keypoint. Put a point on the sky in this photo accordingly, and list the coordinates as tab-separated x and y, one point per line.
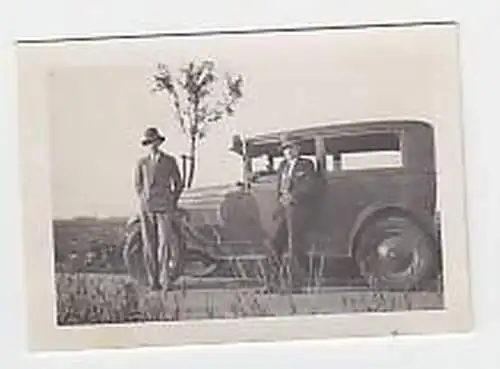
100	105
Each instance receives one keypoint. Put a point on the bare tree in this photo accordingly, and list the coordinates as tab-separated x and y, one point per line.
200	98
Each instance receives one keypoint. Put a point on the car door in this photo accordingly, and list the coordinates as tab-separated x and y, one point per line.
336	211
353	184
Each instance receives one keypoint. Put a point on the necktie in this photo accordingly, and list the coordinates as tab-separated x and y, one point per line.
286	177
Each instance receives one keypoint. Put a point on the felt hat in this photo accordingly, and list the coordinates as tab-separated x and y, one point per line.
152	135
287	142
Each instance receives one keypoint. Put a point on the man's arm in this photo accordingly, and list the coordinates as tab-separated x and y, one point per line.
138	178
176	179
304	184
278	177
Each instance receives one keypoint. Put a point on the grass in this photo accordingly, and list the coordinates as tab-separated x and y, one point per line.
92	288
96	298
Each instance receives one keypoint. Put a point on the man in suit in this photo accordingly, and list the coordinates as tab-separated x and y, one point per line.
158	186
296	190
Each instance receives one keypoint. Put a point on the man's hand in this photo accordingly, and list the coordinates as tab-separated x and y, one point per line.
176	202
286	199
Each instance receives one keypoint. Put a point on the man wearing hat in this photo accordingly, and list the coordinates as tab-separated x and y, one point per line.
158	185
296	189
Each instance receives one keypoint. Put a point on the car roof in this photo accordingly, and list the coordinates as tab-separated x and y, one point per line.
346	136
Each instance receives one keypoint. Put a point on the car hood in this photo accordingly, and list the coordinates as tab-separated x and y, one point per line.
203	203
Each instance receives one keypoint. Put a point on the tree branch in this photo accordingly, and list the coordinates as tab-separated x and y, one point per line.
199	96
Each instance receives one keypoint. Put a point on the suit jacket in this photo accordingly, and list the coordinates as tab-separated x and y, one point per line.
158	184
302	181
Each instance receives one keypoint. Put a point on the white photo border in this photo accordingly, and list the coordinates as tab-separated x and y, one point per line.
35	62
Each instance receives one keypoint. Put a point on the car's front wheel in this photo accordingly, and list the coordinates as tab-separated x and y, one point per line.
202	261
133	256
395	252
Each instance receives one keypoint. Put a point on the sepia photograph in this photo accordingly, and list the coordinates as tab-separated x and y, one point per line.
243	186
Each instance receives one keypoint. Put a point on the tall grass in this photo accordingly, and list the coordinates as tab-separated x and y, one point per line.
92	299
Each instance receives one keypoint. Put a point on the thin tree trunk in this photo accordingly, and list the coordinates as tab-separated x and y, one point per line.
184	170
192	166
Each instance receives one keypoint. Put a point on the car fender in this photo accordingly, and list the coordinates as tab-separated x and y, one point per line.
370	212
132	221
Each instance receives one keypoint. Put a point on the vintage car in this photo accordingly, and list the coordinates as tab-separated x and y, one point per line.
377	208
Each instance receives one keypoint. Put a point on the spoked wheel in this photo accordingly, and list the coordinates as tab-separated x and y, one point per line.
396	253
199	261
133	256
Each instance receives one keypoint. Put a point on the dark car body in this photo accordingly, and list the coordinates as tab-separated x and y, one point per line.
368	170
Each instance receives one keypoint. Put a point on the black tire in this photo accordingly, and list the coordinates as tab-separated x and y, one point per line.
133	256
395	252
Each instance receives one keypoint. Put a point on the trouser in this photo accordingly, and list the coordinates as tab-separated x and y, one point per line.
293	225
157	234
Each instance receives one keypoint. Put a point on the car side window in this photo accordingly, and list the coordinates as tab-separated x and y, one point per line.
265	168
260	164
372	160
312	158
363	152
364	160
333	163
262	172
279	160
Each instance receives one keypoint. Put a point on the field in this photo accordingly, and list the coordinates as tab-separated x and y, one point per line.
89	245
92	287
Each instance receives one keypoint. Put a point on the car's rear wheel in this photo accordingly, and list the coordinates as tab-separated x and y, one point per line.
395	252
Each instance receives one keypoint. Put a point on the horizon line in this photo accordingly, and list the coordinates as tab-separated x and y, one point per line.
89	218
